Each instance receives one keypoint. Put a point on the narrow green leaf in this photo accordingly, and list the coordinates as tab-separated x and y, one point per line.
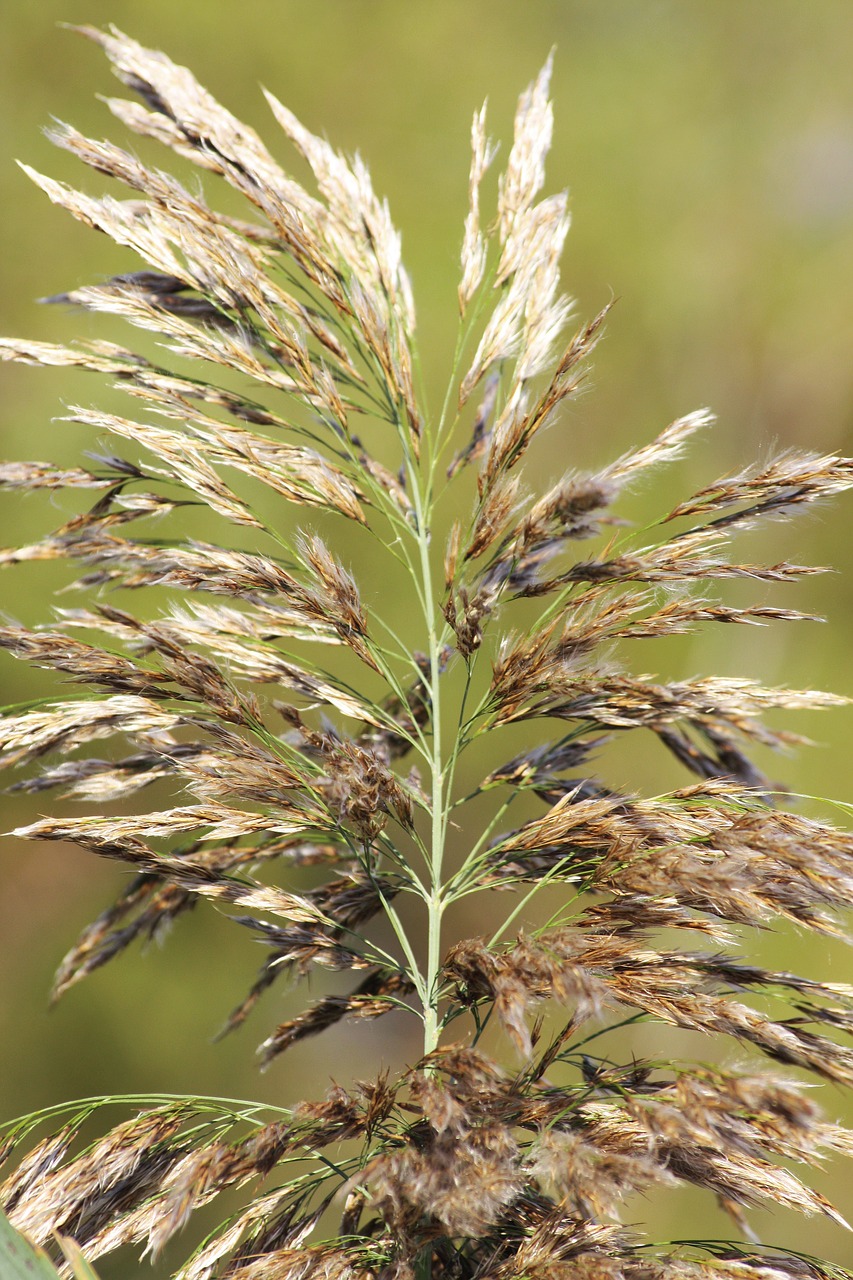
80	1268
20	1260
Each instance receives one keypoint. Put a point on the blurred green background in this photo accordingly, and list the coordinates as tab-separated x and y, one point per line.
708	148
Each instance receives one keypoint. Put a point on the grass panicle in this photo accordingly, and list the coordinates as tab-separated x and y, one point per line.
312	741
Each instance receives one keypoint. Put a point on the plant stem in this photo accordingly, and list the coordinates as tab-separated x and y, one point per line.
421	497
435	902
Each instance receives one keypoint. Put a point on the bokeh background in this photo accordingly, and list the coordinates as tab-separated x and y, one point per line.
708	148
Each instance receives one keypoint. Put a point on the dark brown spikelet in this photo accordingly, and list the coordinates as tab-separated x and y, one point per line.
261	718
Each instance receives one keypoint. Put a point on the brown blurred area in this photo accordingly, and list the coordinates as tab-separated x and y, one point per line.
708	149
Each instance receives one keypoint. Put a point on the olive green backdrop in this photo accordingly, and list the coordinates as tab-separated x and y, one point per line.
708	148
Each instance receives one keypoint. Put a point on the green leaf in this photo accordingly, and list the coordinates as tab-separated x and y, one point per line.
80	1268
20	1260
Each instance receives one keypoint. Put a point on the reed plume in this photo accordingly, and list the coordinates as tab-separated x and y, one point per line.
274	431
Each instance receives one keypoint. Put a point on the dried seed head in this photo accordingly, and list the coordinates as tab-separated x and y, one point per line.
292	324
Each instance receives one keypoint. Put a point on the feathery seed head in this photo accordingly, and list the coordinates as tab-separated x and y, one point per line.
295	716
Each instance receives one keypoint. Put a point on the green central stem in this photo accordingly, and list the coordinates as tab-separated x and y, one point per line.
435	898
435	902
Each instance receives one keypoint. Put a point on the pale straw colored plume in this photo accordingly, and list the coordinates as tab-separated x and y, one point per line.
473	254
259	718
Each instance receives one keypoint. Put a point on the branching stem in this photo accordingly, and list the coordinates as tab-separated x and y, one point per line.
421	491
